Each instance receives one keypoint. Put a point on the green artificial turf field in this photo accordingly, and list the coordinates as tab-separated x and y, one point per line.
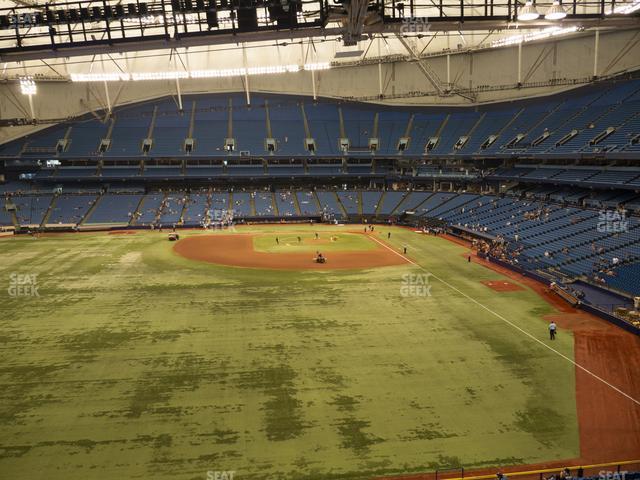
136	363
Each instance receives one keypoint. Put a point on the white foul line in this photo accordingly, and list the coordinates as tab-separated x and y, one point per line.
586	370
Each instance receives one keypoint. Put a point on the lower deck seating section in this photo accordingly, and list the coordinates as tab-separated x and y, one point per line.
329	203
410	202
286	203
31	209
308	203
263	202
148	212
195	209
455	202
434	201
389	201
219	205
350	202
625	277
370	201
6	218
568	240
114	208
171	209
70	209
241	205
599	243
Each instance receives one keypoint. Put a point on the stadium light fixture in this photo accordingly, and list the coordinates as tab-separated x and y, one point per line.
529	37
28	86
624	8
317	66
238	72
528	12
555	12
100	77
159	76
220	73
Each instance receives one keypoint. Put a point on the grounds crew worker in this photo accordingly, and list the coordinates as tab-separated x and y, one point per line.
552	330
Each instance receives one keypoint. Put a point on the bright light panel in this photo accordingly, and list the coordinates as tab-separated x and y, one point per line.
546	33
28	86
220	73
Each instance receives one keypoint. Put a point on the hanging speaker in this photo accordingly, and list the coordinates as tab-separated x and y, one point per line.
247	19
212	18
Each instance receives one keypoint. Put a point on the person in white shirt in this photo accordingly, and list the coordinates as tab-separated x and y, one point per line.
552	330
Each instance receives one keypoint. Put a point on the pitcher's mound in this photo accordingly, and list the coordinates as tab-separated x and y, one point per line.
237	251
